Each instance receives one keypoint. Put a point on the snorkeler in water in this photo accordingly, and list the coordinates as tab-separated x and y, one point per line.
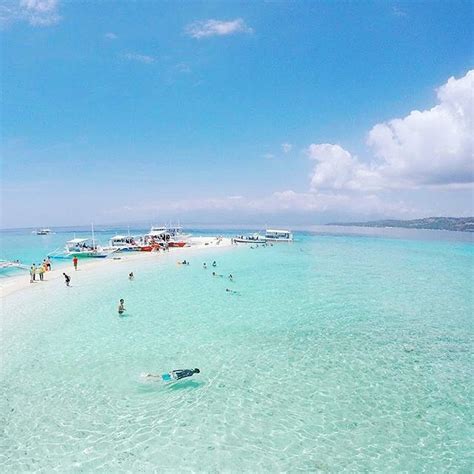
228	290
177	374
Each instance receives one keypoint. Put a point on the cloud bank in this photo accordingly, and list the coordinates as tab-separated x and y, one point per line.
425	152
426	148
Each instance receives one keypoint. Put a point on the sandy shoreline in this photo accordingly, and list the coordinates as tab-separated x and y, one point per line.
20	283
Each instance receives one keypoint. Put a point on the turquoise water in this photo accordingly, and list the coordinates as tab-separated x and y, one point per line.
340	353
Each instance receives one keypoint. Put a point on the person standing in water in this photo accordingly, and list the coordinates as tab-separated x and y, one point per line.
48	264
67	279
131	276
121	307
74	261
214	263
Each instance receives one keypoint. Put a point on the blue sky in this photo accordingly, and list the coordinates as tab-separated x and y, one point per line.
242	112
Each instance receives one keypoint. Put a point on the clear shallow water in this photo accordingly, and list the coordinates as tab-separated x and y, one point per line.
341	352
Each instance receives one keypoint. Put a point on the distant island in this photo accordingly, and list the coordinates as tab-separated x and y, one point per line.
460	224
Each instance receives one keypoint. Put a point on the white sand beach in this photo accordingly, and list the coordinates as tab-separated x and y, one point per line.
123	261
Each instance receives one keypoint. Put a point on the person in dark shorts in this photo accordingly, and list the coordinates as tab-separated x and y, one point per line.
67	279
177	374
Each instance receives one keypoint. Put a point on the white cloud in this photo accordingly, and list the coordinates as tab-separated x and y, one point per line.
35	12
207	28
426	148
110	36
269	156
433	146
337	169
286	147
141	58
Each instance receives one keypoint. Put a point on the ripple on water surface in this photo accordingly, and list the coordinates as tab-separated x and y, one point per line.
338	353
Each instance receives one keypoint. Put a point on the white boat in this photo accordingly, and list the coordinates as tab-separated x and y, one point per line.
249	239
42	231
171	236
123	243
82	248
278	235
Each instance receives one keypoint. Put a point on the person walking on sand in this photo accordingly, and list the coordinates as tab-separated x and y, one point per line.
67	279
32	273
41	271
121	307
74	261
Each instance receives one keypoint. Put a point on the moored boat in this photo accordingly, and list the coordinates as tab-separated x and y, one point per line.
249	239
123	243
42	231
82	248
278	235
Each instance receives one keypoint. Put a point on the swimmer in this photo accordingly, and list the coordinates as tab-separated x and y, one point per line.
121	307
131	276
214	264
216	275
177	374
231	278
204	265
184	262
228	290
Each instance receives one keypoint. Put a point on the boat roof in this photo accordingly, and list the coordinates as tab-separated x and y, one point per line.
121	237
278	230
77	241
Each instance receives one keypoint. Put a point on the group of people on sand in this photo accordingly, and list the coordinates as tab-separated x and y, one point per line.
39	270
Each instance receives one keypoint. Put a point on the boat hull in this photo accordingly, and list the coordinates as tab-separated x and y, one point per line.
176	244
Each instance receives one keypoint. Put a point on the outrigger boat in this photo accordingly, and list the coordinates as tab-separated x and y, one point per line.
249	239
82	248
171	236
276	235
43	231
123	243
271	235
